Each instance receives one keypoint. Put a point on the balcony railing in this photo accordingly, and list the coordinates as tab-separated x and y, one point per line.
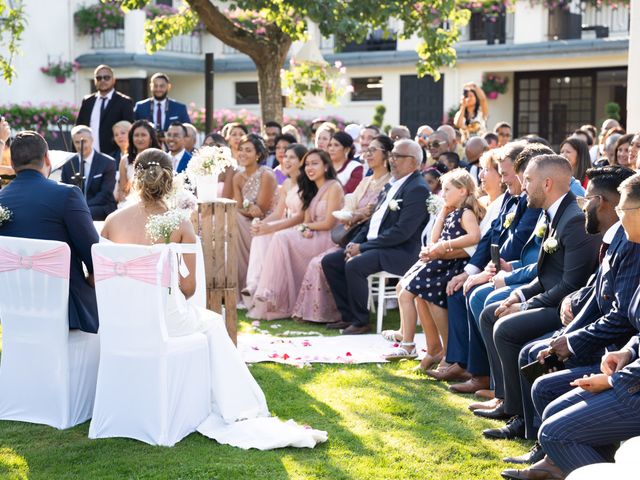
189	44
113	39
615	19
110	39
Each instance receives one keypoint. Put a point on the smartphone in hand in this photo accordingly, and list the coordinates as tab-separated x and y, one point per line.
495	256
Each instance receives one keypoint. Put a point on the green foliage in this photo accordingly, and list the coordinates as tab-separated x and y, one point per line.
12	25
378	117
98	17
494	83
310	79
612	110
490	9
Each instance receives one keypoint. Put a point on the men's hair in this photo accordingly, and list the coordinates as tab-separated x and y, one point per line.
452	157
191	128
28	149
490	138
185	132
287	137
593	131
585	133
413	147
101	67
375	128
404	129
81	129
553	161
511	150
273	123
536	139
500	125
161	75
607	179
527	153
631	186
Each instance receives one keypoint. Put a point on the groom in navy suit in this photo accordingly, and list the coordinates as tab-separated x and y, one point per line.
389	241
47	210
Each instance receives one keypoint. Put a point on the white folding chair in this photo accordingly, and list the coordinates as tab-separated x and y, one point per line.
380	291
151	387
47	373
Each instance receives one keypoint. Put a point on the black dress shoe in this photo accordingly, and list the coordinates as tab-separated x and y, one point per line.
338	325
513	429
497	413
356	330
532	456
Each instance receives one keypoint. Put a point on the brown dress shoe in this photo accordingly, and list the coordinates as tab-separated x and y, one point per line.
449	373
337	325
545	469
470	386
488	405
356	329
488	394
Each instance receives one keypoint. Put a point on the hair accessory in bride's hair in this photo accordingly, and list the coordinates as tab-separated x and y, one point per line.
145	166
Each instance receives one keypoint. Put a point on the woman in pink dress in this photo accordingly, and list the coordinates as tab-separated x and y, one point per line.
287	213
291	250
254	189
315	302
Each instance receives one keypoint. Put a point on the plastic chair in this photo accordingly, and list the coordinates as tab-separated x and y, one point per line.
378	289
151	387
47	373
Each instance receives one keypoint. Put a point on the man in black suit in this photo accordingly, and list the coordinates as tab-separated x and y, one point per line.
101	110
98	172
567	258
389	241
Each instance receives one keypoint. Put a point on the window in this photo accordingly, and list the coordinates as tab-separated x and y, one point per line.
247	93
168	3
366	89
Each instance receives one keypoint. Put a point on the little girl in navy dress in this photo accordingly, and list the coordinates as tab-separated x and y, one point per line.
456	227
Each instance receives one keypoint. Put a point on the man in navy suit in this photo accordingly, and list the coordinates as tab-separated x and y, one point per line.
176	136
46	210
389	241
159	109
103	109
98	170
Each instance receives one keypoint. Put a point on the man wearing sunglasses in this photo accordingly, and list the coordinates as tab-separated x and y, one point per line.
102	109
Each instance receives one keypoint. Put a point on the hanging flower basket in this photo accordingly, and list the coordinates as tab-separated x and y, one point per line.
60	70
493	85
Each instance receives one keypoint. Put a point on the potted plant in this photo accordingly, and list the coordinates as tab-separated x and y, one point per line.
60	70
493	85
493	13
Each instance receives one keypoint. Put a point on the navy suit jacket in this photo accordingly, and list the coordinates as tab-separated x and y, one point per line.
398	240
626	382
174	112
184	161
120	107
47	210
511	239
101	181
603	320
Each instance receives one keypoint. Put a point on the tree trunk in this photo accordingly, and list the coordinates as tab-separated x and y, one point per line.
270	90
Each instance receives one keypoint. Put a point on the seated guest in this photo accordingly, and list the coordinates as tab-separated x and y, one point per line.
287	213
270	132
366	136
291	250
191	140
175	138
233	133
121	139
399	132
492	140
492	186
473	150
634	149
503	131
621	151
282	143
591	321
99	173
293	131
450	160
46	210
432	176
254	190
437	144
567	258
315	302
389	241
323	135
577	152
349	171
457	227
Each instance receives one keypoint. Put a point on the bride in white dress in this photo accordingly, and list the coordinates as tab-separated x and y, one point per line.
239	413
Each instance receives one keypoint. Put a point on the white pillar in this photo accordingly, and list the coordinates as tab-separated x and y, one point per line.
531	22
134	31
633	75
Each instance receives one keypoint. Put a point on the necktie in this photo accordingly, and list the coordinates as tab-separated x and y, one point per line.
103	105
603	251
84	174
158	116
383	194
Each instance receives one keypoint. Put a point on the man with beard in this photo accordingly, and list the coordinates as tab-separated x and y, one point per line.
159	109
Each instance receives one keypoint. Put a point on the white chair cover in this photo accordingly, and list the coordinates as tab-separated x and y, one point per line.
627	464
47	373
199	298
151	387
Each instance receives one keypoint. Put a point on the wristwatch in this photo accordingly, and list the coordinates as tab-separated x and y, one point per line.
524	306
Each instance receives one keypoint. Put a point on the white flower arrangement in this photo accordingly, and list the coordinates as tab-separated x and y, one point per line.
302	227
160	227
246	203
394	205
551	245
541	229
5	215
434	204
210	161
509	219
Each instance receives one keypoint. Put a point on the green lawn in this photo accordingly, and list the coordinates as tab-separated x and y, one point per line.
384	422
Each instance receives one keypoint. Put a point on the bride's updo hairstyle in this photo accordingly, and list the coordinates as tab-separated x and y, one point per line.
153	177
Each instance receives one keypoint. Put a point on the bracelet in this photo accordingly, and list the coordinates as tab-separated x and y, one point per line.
450	247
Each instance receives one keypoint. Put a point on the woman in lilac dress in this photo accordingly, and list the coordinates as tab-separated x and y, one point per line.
291	250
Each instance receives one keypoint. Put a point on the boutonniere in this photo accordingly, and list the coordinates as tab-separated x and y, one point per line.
5	215
394	205
541	229
551	245
509	219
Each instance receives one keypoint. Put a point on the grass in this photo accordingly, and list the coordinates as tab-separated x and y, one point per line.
384	422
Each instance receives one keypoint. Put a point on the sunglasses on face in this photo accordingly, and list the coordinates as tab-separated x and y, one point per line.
106	78
435	144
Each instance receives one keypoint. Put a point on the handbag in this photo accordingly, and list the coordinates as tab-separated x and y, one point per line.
341	235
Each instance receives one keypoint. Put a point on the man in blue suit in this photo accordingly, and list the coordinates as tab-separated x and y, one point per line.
389	241
46	210
98	170
176	137
159	109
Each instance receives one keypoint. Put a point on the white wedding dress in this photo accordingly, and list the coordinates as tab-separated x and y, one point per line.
239	413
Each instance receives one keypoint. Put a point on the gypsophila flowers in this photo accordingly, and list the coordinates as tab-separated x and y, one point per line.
210	161
434	204
160	227
5	215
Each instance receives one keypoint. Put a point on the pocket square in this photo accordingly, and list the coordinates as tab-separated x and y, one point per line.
173	118
97	176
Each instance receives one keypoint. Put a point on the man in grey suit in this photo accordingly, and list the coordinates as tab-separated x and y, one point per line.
567	258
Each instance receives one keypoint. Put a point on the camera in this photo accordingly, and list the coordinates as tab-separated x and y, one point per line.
465	93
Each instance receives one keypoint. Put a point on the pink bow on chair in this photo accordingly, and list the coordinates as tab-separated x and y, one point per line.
144	269
53	262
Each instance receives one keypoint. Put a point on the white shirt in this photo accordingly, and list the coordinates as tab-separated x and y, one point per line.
176	159
378	215
553	209
95	119
161	104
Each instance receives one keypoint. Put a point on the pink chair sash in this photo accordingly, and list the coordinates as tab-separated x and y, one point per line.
53	262
143	269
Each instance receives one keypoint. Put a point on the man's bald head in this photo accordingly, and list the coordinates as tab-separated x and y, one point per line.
474	149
